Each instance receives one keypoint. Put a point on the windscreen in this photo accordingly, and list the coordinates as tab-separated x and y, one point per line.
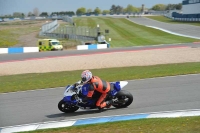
55	43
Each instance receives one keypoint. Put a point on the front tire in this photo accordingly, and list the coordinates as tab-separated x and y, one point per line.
122	96
63	107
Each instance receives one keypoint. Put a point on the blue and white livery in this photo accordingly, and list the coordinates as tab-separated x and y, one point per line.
73	96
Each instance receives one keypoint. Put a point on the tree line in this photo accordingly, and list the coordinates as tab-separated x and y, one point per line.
115	9
162	7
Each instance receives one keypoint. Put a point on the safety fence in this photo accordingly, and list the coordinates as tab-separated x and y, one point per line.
73	33
68	19
187	19
49	27
183	19
177	15
70	37
79	33
69	31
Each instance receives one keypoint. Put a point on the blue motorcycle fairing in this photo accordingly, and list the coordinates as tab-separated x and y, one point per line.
116	89
85	89
117	86
69	100
67	86
90	103
84	92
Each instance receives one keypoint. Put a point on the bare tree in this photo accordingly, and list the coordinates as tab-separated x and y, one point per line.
29	14
36	12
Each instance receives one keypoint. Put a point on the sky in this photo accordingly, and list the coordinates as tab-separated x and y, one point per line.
25	6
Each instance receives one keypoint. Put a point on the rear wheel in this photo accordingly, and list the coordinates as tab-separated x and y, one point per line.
63	107
125	98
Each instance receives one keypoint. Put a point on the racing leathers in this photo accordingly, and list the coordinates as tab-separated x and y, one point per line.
96	84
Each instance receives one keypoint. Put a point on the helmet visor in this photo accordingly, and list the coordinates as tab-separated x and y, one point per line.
84	79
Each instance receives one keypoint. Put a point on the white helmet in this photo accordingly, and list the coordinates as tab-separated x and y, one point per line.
86	76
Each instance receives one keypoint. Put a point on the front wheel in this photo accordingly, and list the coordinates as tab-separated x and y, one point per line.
125	98
63	107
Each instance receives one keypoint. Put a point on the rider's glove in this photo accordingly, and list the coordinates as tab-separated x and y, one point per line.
75	85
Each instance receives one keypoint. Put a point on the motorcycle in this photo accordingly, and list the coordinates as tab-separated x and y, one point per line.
73	96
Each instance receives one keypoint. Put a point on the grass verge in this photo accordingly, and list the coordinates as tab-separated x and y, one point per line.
163	125
11	31
125	33
25	82
167	20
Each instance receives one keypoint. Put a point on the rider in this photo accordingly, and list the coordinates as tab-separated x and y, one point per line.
96	84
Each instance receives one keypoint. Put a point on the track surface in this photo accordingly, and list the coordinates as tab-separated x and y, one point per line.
150	95
184	29
51	54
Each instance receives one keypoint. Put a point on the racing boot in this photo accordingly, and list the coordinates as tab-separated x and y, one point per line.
100	109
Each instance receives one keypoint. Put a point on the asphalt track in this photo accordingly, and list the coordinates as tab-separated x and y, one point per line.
52	54
183	29
150	95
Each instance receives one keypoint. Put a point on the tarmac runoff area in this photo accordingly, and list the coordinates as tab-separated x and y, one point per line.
102	60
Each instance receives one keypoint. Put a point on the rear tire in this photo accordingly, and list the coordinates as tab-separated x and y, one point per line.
123	95
63	107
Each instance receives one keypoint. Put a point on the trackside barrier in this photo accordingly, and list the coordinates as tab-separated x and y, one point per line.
3	50
15	50
92	46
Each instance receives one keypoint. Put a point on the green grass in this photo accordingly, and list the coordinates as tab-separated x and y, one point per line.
9	37
125	33
155	125
167	20
24	82
24	22
122	32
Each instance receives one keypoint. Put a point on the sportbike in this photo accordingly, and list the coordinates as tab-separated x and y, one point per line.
73	96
